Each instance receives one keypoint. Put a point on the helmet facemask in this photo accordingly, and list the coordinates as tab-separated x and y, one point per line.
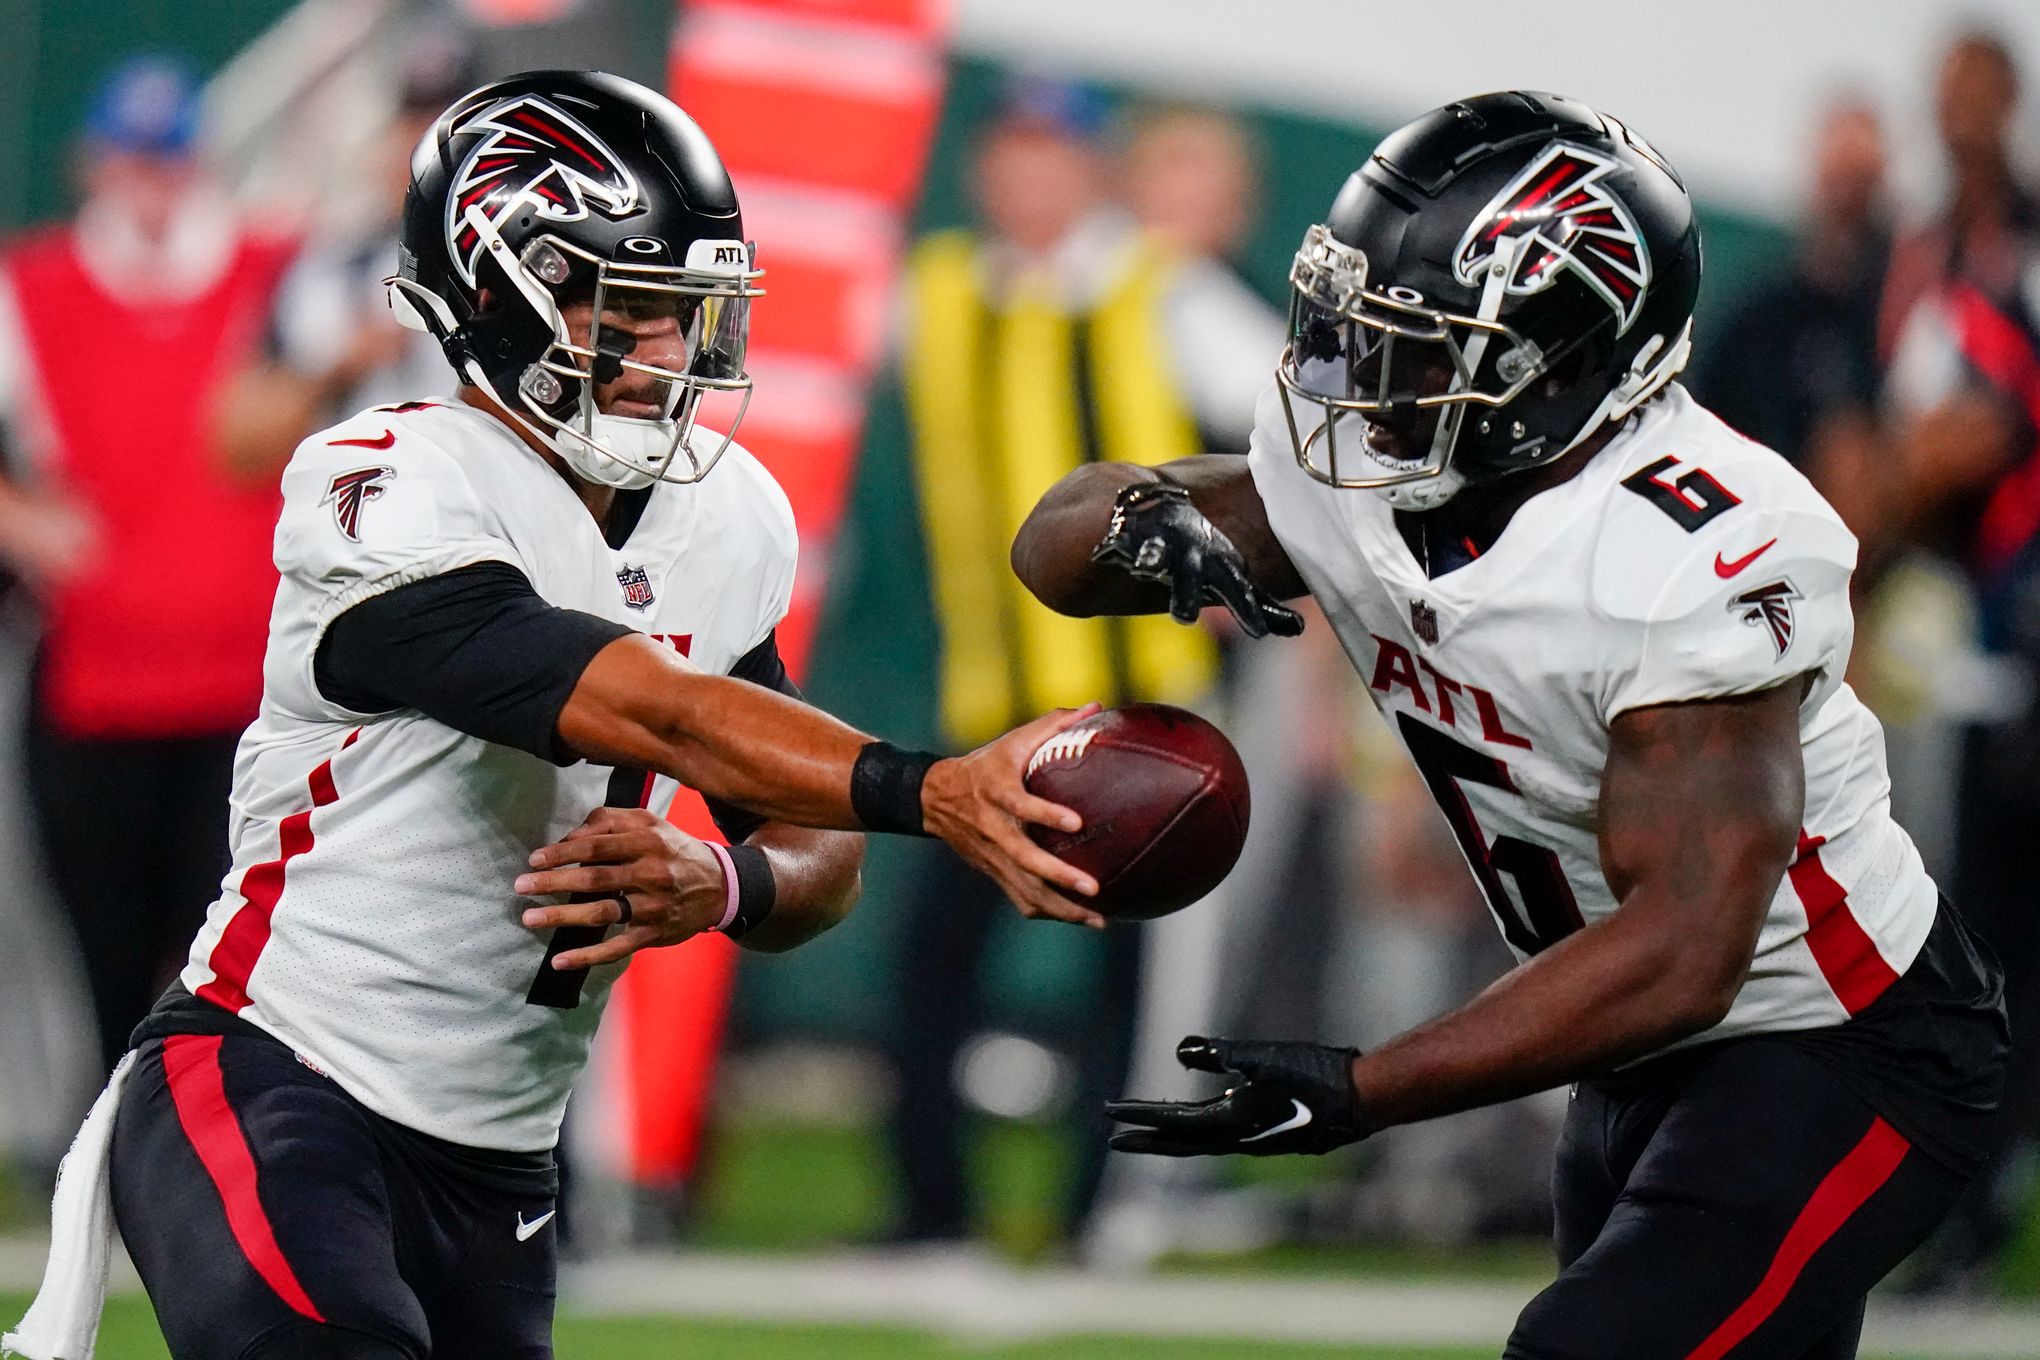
1386	360
558	396
1409	374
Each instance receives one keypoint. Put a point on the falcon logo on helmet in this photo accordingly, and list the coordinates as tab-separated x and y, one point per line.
1769	606
1573	221
535	157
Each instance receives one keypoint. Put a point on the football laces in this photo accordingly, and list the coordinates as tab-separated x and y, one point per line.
1069	745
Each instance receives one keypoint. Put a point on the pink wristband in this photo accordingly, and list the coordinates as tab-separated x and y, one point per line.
729	878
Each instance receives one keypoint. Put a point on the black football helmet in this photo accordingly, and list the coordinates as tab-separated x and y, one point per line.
554	188
1501	278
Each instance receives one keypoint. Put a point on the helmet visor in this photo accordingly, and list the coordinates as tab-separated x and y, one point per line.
718	338
658	339
1406	372
1346	359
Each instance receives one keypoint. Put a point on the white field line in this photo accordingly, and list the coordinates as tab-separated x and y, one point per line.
969	1297
966	1296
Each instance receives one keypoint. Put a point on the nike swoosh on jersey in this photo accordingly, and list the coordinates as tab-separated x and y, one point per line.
387	438
1295	1121
1727	569
526	1230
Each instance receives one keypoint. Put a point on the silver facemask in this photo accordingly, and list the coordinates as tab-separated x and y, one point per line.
709	299
1358	354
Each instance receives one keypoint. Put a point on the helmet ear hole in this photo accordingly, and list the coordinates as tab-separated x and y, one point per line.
1567	372
1576	365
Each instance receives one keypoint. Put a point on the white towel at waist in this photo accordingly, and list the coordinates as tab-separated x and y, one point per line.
63	1322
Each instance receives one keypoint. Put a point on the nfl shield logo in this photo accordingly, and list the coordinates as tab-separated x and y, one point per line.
637	587
1424	620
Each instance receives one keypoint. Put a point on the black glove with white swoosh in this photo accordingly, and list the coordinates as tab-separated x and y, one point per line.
1156	534
1291	1097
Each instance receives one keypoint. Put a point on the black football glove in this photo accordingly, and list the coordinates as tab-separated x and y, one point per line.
1292	1097
1158	535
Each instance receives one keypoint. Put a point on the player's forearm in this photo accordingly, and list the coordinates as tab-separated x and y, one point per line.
640	705
817	876
1052	552
1614	992
1700	809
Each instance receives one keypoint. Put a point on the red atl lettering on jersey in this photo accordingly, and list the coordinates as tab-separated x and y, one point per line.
1491	726
1395	668
682	643
1392	667
1447	688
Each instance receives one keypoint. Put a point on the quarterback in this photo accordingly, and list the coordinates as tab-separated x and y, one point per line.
1611	634
508	627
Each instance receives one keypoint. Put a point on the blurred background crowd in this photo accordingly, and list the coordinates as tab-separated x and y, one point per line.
988	261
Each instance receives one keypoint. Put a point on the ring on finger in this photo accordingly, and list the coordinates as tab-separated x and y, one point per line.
623	911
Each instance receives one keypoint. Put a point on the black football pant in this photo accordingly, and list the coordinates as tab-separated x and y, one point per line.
273	1217
133	833
1736	1203
940	1001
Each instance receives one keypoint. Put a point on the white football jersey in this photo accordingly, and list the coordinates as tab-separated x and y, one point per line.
1684	562
368	920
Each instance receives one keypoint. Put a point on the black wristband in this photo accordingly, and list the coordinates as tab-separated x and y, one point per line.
885	788
757	889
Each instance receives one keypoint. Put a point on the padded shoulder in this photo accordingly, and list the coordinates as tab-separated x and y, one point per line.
1691	504
389	496
1720	568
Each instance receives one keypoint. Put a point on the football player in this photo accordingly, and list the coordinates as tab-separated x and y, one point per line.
1611	634
553	595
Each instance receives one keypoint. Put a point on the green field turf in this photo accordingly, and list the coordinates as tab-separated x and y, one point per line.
130	1334
779	1188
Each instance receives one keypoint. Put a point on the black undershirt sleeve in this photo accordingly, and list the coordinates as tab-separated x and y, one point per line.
477	649
761	666
474	648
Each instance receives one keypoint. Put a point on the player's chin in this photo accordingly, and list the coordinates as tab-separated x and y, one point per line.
1401	448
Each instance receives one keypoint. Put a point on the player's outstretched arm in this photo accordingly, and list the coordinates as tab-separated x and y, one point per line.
1700	810
641	705
477	649
1117	538
1700	817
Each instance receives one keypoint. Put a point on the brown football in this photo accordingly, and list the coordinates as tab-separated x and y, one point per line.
1164	801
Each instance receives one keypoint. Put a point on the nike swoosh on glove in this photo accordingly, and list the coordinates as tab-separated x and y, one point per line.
1291	1097
1158	535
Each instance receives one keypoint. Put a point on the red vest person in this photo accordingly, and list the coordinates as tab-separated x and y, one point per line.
152	563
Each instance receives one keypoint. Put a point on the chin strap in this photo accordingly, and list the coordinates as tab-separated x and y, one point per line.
1425	495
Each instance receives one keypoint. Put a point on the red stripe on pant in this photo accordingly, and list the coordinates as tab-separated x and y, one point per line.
1843	1191
244	938
191	1062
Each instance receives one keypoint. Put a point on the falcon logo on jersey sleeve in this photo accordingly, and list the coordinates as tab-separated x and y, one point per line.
1769	606
1574	222
347	491
536	159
